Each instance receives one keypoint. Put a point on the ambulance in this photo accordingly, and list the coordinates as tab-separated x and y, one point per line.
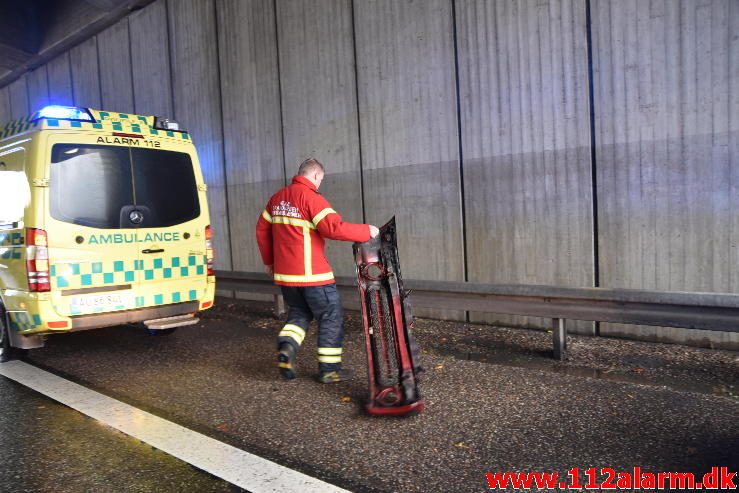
103	221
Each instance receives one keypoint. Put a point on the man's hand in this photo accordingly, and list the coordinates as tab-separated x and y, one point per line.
373	231
269	269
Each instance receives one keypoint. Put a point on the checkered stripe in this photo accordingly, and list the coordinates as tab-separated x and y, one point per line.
171	297
111	272
133	119
126	127
8	246
135	123
11	239
130	124
18	126
24	321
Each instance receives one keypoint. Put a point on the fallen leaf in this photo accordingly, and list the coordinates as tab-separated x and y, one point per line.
222	427
346	399
438	367
638	370
461	445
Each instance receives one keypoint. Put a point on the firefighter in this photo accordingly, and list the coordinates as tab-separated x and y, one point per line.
290	233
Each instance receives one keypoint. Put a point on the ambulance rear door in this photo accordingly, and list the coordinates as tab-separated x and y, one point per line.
92	231
172	235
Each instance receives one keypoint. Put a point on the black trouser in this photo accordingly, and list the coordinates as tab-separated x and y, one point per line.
323	304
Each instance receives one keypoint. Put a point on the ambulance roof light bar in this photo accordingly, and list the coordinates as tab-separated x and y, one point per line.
57	112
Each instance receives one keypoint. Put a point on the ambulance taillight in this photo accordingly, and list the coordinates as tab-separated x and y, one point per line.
37	260
209	254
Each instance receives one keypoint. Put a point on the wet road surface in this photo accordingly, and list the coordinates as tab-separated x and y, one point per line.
47	447
495	402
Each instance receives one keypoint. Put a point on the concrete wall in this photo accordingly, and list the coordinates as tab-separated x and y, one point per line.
38	88
469	120
250	84
667	130
319	103
5	113
408	120
196	95
116	77
85	70
18	95
150	60
59	73
523	72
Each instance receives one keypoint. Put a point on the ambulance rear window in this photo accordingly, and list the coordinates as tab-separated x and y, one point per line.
98	186
165	184
89	185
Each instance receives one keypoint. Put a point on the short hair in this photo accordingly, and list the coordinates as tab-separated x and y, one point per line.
310	165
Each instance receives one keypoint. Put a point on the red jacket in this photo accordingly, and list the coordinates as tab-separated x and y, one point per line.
291	232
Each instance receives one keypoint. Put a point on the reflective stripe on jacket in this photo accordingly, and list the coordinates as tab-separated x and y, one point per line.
291	232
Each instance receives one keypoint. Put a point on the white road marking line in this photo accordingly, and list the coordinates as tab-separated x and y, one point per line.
236	466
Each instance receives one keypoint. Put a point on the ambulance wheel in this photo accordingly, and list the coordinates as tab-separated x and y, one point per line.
161	332
7	352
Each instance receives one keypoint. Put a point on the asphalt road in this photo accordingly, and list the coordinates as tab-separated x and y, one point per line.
495	402
48	447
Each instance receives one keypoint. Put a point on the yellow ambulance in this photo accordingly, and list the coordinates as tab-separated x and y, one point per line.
103	221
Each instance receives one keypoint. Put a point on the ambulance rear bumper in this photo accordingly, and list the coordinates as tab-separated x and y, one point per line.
85	322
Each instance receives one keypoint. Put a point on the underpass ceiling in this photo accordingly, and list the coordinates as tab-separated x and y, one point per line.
35	31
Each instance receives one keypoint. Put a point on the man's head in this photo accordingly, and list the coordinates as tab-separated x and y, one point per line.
313	170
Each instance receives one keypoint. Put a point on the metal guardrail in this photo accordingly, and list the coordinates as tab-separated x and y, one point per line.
707	311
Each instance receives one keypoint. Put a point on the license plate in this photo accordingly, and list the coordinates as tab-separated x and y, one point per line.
100	302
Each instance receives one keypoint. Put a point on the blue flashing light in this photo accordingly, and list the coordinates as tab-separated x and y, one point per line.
57	112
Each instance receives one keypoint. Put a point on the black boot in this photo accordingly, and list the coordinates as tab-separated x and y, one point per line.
286	360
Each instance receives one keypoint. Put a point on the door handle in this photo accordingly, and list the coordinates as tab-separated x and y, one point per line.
156	250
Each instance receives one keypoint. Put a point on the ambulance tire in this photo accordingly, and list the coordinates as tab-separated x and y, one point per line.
161	332
7	352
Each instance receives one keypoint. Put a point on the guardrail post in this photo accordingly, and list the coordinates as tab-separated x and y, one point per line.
559	338
280	309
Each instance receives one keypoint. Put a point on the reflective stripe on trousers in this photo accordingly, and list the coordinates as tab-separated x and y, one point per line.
323	304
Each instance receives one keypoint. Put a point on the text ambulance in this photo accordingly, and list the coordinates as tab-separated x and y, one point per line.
103	221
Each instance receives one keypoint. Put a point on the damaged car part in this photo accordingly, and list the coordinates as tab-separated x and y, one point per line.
392	355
